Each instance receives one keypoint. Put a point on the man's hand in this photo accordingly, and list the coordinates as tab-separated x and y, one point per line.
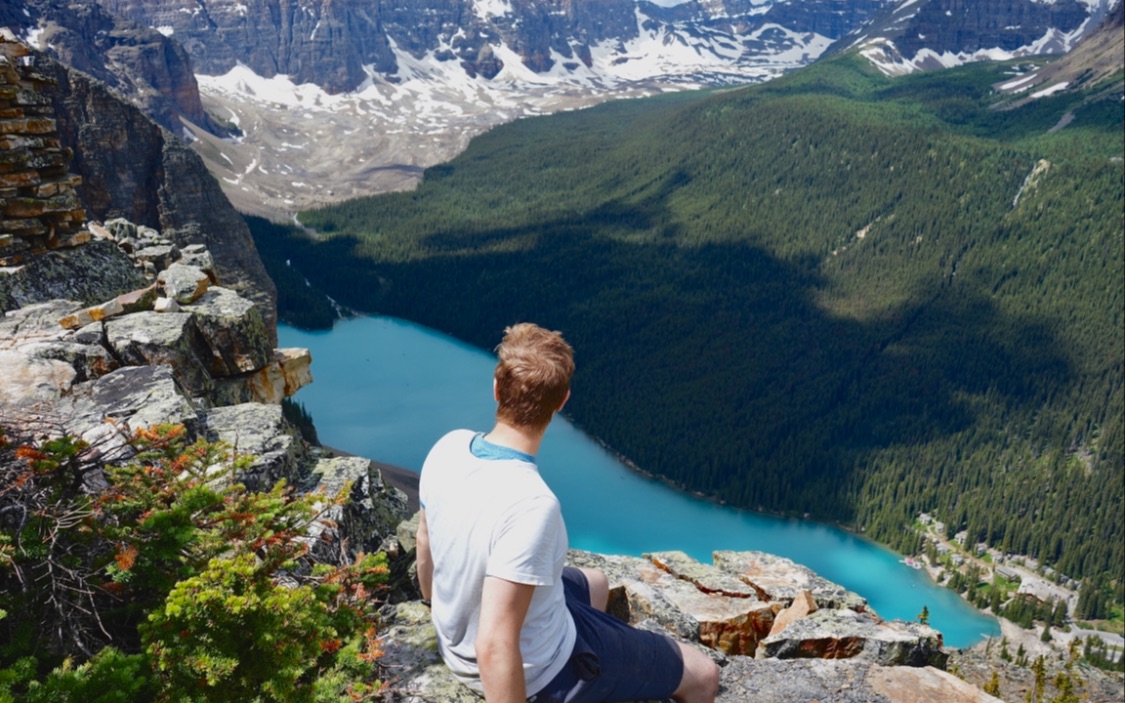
425	562
503	609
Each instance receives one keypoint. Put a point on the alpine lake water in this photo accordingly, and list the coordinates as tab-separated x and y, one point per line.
387	389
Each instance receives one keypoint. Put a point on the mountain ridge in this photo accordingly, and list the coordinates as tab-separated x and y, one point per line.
314	102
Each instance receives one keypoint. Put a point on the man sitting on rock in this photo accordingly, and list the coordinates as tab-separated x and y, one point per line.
512	620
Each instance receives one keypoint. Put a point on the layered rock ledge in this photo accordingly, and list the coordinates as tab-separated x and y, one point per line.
814	641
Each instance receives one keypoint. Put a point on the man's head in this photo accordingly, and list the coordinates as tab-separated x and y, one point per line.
532	376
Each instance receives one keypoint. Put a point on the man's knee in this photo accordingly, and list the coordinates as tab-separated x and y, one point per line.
599	587
700	682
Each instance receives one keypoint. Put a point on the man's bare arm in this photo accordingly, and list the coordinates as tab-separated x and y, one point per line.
425	562
503	609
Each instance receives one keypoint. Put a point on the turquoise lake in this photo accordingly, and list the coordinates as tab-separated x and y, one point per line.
387	389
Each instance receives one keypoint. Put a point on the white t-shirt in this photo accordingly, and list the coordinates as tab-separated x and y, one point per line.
494	517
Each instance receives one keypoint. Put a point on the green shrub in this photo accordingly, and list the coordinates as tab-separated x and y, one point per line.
205	588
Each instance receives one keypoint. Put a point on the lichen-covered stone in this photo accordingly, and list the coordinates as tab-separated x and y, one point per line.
89	361
407	532
160	256
234	330
705	577
259	430
413	662
198	256
39	361
373	509
121	228
105	412
64	274
138	300
746	680
163	338
183	283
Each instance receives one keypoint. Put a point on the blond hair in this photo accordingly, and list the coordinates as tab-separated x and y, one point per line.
532	375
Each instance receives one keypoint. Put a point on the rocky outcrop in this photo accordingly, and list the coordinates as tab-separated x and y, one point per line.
370	513
323	42
123	165
331	43
101	372
711	605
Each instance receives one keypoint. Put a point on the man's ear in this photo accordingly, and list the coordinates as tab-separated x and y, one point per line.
495	391
564	400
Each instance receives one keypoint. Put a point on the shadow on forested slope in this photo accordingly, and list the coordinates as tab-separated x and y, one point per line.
714	365
805	303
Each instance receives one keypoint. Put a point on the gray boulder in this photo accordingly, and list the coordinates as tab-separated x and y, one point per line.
845	634
260	431
371	513
198	256
835	681
63	274
107	411
183	283
170	339
39	361
234	330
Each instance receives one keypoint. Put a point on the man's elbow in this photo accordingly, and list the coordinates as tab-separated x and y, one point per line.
493	651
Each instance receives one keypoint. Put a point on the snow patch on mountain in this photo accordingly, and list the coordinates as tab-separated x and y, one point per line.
883	53
382	135
487	9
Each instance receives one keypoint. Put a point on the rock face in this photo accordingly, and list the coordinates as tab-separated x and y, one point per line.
216	348
334	43
101	372
153	71
39	207
123	165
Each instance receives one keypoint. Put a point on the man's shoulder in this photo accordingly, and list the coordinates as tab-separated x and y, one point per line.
453	441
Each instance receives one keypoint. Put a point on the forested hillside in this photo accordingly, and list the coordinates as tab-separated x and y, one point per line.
835	293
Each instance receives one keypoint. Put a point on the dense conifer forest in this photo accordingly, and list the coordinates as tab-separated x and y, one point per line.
835	294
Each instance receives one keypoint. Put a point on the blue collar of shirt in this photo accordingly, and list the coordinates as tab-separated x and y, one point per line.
483	449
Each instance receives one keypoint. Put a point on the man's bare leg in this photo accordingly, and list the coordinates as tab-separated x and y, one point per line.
599	587
700	683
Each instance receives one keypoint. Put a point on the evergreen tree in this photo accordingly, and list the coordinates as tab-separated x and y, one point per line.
992	688
924	616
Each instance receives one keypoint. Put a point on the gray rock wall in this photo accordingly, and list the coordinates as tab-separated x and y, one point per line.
132	168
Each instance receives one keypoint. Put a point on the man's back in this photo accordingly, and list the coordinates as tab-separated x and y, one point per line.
489	513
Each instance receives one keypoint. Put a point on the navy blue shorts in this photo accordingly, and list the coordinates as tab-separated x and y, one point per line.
611	660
